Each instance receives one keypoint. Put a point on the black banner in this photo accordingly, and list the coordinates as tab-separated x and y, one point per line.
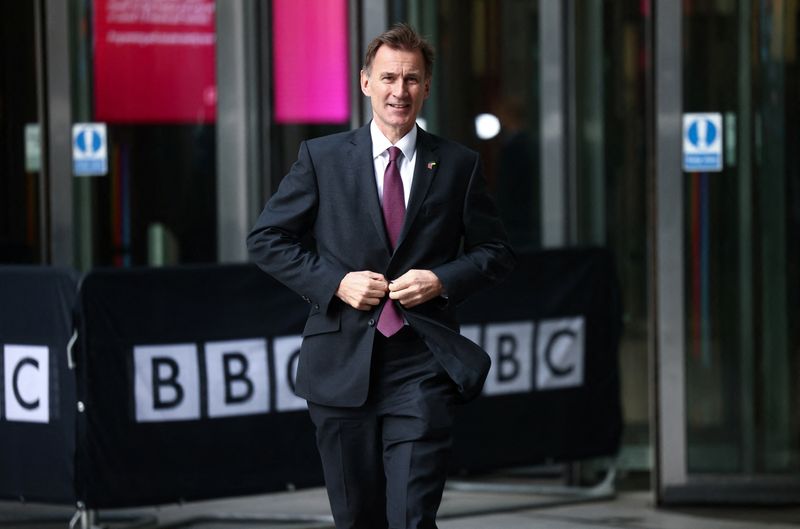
553	331
183	373
186	375
37	390
185	380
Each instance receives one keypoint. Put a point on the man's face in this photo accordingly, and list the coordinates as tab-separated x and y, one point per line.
397	86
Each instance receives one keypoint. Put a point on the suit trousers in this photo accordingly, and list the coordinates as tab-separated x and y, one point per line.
385	463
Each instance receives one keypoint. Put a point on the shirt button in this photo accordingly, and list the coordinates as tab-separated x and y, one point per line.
371	323
316	306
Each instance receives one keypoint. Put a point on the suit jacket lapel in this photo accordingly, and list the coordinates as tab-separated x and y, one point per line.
424	171
364	168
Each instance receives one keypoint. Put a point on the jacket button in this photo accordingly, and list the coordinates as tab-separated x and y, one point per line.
371	323
316	306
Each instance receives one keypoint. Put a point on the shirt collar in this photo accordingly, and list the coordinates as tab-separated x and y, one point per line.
407	144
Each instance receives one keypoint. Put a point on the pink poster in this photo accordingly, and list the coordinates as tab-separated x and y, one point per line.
311	71
154	61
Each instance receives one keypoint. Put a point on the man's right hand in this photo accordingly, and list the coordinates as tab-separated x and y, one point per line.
362	290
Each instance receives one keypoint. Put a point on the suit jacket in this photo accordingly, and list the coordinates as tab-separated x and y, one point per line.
451	227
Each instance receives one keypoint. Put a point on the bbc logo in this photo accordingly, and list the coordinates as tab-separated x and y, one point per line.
237	379
528	356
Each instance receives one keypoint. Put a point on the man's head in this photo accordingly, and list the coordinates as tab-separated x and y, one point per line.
401	37
396	77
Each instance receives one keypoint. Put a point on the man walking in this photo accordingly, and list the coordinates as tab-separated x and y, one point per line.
403	231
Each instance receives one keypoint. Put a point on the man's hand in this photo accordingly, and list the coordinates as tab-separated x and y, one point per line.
415	287
362	290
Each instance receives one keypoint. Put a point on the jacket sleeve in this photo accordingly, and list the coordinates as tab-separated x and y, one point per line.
275	242
487	257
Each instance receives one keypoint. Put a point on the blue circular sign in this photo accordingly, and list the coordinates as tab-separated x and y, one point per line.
709	137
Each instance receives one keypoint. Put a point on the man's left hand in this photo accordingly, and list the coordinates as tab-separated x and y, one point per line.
415	287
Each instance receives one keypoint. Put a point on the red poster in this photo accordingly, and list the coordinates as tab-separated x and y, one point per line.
154	61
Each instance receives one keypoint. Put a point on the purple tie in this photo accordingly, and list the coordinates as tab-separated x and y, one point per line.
394	211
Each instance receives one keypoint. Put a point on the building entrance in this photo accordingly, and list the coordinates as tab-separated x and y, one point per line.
738	350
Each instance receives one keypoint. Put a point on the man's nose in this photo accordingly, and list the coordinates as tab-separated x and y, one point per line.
398	88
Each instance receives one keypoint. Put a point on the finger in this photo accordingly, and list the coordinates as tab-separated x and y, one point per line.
404	279
400	295
376	291
399	284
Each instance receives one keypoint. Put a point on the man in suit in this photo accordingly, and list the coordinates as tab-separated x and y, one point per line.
403	230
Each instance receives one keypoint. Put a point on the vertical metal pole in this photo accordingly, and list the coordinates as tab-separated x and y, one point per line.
374	16
670	390
745	239
84	210
588	166
354	45
553	124
57	154
776	368
41	111
237	127
571	122
262	189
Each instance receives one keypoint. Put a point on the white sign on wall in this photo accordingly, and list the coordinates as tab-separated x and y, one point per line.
89	149
702	142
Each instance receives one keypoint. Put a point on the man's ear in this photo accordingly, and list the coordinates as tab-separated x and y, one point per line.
427	87
364	82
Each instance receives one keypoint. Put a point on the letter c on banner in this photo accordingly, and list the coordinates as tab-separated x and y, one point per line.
556	369
15	383
291	370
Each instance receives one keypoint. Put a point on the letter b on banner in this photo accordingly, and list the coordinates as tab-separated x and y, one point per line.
26	382
238	379
509	346
166	383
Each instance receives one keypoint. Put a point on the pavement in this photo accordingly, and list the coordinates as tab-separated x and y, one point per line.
465	506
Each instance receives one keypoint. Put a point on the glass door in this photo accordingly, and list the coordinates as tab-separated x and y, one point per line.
736	350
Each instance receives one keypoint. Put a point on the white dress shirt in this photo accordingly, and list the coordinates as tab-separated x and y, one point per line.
380	158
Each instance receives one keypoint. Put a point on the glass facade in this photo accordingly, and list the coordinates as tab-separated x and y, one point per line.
613	178
21	160
501	78
559	98
606	178
742	227
146	69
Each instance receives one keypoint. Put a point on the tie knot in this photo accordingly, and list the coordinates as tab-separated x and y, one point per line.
394	153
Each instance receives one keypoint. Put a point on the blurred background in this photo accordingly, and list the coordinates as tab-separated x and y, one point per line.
577	108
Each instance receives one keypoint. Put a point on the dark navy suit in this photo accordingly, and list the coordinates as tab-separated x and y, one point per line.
347	370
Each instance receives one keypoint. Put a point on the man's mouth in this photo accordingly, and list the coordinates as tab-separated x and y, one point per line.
399	105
